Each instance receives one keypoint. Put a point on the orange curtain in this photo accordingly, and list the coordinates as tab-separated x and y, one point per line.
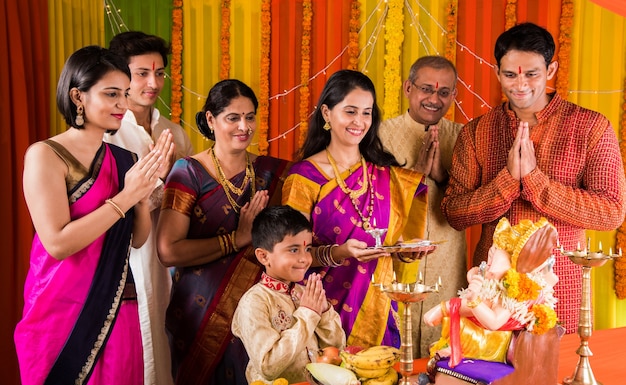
329	36
25	118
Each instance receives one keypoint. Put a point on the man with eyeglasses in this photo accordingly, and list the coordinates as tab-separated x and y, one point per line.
422	139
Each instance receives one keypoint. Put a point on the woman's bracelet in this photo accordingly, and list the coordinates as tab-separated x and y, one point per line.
324	255
116	208
475	302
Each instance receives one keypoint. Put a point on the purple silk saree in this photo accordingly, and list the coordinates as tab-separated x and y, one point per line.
74	320
368	316
204	297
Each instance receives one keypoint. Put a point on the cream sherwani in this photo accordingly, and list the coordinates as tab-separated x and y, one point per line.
276	332
152	280
403	137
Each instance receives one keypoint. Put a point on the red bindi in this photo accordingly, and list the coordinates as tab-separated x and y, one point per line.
520	69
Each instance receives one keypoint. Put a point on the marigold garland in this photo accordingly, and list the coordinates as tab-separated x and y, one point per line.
264	76
510	14
177	61
394	36
305	67
353	35
565	45
225	41
619	264
519	286
450	48
545	318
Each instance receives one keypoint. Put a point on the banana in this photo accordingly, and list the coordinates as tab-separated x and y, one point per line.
369	373
381	349
371	359
389	378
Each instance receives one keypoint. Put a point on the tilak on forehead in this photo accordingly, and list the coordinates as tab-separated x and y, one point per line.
153	66
519	68
436	85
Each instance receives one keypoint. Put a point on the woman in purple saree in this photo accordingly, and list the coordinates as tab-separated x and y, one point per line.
80	323
347	184
204	231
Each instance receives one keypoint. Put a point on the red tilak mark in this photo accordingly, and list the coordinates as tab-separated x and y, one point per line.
436	85
520	69
152	66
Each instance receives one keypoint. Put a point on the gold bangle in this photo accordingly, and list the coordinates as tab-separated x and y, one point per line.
233	237
475	302
116	208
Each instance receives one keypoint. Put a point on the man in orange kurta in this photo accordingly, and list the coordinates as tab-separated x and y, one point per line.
537	155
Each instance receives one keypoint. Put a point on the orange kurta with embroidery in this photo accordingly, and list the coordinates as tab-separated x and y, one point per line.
578	183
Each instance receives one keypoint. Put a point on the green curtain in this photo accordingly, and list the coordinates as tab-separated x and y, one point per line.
152	17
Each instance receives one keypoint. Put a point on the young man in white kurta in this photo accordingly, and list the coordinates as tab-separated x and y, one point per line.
141	127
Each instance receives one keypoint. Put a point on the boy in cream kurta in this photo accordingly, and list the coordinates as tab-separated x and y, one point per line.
278	319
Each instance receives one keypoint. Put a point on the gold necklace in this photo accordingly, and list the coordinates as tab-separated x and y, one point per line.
355	194
231	188
342	184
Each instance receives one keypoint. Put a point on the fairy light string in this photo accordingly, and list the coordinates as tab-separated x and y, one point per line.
377	16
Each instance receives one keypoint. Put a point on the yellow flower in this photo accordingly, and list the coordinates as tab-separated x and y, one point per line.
545	318
520	287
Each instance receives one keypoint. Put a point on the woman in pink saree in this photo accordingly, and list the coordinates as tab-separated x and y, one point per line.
347	184
80	323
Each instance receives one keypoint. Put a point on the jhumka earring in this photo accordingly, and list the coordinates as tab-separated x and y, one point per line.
80	120
327	126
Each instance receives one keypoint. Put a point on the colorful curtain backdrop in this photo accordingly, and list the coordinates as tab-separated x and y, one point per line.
73	24
24	118
592	73
596	79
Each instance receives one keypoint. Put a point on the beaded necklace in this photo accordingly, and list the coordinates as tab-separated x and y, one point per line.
230	188
355	194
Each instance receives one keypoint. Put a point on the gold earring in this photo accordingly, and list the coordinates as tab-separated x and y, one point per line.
80	120
327	126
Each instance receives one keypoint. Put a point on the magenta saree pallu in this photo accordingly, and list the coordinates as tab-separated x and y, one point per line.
71	305
367	315
204	297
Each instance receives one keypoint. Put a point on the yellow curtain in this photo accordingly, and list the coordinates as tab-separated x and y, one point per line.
73	24
597	72
202	21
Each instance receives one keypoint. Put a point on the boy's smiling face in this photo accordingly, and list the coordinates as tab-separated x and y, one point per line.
290	258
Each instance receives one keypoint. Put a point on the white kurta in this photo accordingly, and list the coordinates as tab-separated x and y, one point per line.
152	280
276	333
403	137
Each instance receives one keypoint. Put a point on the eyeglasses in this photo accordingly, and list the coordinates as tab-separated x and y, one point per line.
443	93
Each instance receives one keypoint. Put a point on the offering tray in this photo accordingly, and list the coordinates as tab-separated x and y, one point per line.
408	247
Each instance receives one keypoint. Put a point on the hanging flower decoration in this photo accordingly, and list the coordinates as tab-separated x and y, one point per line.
177	61
565	45
619	264
394	36
225	40
305	95
450	48
353	35
264	76
510	14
